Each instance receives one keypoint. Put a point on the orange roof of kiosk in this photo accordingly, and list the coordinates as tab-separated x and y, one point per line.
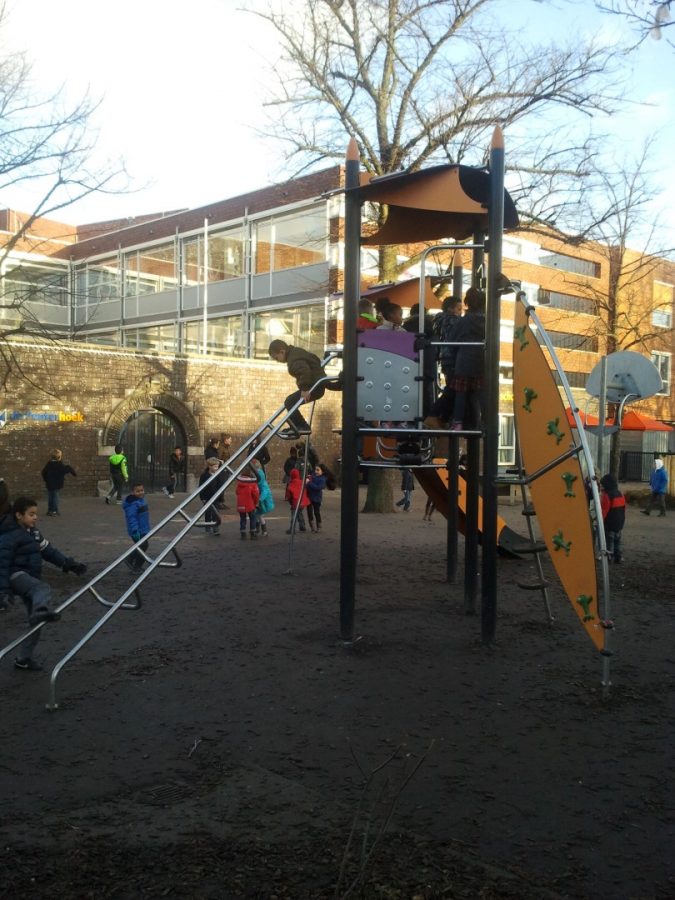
635	421
632	421
439	202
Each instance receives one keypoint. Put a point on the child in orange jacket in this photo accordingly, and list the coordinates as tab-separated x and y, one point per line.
297	498
248	495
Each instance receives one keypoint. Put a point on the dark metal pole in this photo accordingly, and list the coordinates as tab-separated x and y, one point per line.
491	380
349	512
457	277
471	524
453	511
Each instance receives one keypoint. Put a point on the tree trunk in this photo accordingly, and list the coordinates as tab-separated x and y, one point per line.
380	495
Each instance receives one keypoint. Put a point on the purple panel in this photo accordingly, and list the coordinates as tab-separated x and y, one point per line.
401	343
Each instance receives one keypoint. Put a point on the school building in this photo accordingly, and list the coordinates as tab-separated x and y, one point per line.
153	332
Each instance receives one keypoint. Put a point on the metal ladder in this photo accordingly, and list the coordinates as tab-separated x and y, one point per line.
167	557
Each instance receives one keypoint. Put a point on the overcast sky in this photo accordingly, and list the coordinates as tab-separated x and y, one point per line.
182	87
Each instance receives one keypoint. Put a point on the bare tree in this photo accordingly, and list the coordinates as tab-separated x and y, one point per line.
618	216
647	18
47	144
424	81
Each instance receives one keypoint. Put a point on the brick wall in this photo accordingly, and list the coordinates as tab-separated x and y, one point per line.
106	386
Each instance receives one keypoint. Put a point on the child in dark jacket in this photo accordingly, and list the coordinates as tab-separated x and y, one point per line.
316	484
210	494
468	363
613	507
22	549
248	495
297	498
54	476
137	516
407	486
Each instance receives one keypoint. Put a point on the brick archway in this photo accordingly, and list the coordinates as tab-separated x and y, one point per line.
159	399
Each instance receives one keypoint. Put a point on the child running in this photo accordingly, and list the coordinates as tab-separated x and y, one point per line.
22	549
248	496
137	517
265	501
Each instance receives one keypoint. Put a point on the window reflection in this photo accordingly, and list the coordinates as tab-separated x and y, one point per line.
303	326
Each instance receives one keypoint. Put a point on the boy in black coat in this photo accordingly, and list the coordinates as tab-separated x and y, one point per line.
22	549
54	475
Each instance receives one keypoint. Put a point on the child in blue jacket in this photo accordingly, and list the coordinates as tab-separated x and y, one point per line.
316	484
137	516
22	549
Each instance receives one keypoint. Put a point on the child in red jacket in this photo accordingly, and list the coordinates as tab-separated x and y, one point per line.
248	496
297	498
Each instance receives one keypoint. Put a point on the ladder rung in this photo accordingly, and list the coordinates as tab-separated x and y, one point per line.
529	548
533	586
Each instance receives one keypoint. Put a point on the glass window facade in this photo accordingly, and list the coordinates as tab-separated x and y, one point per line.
160	338
224	337
284	242
567	301
225	252
572	264
98	283
151	270
570	341
36	284
663	361
662	315
304	326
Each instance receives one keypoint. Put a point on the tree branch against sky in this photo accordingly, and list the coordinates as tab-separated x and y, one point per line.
647	18
423	81
46	142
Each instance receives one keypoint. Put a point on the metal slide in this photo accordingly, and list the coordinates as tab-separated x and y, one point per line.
185	516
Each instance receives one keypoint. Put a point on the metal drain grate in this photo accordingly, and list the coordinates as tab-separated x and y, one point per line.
164	794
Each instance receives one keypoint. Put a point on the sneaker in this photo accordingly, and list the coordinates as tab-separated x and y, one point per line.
107	501
166	491
208	529
242	535
253	536
29	664
44	615
264	530
215	532
134	566
645	512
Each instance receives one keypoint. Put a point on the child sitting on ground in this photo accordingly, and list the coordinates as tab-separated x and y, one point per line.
298	500
613	507
137	517
22	549
248	495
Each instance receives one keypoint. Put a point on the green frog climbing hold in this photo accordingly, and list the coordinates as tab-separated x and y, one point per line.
584	601
530	395
552	428
569	480
559	543
519	335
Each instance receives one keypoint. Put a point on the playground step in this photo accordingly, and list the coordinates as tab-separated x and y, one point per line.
529	510
533	586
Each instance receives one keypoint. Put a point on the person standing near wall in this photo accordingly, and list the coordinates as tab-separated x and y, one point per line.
54	476
119	474
177	467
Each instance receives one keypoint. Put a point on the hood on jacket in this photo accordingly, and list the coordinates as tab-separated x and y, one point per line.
294	475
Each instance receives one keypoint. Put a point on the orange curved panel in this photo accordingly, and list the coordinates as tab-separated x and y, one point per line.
559	497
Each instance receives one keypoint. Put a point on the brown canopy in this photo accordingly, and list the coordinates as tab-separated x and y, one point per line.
440	202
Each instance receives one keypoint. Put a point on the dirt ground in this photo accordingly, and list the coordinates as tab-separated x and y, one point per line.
221	742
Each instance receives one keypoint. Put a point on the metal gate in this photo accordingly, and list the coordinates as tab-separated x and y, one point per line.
149	437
